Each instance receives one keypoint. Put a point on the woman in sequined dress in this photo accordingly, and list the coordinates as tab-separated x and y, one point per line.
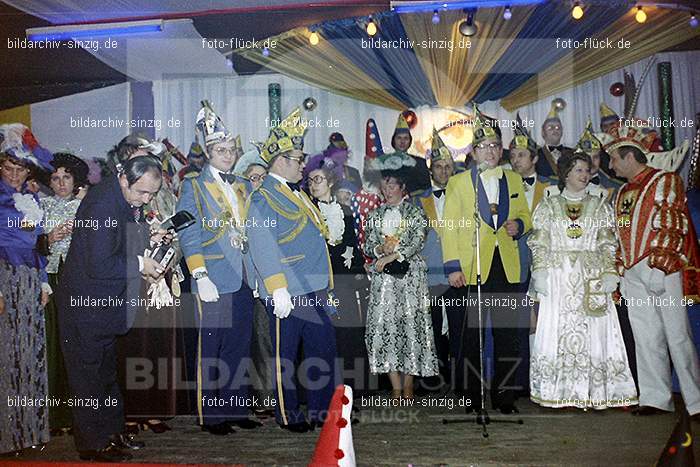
399	335
68	182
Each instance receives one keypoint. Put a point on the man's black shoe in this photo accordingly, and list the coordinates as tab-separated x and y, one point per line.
246	423
301	427
645	410
507	409
109	454
124	441
219	429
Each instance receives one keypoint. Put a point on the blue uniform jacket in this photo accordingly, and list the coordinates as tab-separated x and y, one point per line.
287	241
207	242
432	249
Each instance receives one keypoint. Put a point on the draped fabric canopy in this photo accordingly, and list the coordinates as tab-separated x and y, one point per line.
411	61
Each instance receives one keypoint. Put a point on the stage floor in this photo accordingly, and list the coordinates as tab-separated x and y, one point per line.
416	435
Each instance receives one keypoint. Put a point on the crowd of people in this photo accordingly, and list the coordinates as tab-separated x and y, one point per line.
299	266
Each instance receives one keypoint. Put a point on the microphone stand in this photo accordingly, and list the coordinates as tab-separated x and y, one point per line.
482	418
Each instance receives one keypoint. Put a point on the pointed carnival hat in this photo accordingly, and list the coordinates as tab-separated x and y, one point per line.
553	115
522	138
19	143
373	143
484	127
209	128
334	446
286	136
588	143
607	115
439	150
237	143
401	129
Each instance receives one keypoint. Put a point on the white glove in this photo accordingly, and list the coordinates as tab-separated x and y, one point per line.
539	282
609	283
283	303
347	255
656	281
207	290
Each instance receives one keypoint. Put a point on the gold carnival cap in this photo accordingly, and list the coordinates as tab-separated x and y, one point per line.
401	125
522	138
286	136
483	128
607	115
439	151
553	114
588	142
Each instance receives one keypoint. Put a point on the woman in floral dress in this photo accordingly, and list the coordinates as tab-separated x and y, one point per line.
399	335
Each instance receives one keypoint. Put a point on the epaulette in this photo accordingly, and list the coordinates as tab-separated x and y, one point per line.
192	174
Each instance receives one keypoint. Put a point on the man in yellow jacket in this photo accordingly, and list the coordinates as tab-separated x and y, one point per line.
503	218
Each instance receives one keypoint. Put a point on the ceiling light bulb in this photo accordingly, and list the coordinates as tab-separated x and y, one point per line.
694	22
577	12
371	28
436	17
507	14
313	38
640	16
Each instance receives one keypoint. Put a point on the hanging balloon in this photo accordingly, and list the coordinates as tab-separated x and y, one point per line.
411	118
559	104
310	103
617	89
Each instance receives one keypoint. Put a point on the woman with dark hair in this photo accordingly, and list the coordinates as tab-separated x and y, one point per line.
578	358
69	184
24	291
347	264
399	333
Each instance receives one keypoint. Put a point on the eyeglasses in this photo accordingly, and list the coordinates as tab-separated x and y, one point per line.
318	179
222	151
488	146
298	160
14	170
257	178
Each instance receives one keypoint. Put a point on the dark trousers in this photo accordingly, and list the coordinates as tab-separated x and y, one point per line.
91	365
310	326
502	302
224	363
438	294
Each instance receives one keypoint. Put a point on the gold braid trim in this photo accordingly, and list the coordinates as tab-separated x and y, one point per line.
218	233
300	218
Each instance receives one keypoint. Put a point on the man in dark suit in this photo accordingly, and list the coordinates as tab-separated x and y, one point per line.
99	287
552	150
401	140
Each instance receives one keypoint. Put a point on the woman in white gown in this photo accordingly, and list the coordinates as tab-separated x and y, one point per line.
578	358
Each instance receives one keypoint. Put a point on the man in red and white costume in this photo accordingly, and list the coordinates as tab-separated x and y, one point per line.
653	226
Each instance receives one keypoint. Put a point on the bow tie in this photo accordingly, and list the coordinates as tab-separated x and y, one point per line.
595	180
228	178
293	186
556	148
529	180
438	193
493	172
